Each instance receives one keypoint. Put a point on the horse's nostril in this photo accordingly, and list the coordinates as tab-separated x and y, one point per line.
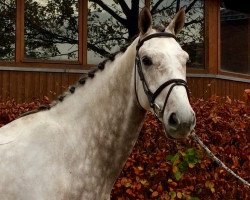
173	120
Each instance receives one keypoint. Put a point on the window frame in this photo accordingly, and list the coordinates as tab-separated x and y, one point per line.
212	44
21	61
221	71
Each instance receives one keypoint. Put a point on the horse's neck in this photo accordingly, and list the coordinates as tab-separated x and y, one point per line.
104	116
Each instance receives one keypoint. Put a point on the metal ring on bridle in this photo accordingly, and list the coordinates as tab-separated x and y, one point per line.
158	111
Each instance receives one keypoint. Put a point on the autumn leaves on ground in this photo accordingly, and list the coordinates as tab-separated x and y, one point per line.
159	168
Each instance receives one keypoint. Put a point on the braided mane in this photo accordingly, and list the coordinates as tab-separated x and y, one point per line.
82	80
90	75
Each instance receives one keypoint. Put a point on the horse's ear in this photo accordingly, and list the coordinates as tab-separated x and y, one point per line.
177	23
145	20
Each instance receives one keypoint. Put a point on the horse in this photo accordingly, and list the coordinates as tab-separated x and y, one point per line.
76	147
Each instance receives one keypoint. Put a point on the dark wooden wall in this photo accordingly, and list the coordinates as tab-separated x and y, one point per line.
27	86
206	87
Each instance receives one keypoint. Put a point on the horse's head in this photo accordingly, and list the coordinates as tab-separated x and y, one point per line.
161	67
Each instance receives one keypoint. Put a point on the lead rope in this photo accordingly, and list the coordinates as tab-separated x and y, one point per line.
217	160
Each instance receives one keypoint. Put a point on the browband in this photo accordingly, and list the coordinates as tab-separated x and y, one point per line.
140	43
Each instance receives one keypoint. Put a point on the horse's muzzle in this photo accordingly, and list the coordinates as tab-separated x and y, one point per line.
179	126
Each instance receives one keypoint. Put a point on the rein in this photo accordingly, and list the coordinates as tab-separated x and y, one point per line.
158	111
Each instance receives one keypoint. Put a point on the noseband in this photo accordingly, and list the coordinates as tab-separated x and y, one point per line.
158	111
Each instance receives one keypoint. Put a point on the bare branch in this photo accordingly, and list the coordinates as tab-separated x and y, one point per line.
62	54
156	6
190	6
193	22
110	11
109	39
164	8
94	48
177	6
42	30
124	7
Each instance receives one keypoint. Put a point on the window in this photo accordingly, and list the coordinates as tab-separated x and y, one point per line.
7	29
51	30
235	41
42	33
76	34
192	36
111	24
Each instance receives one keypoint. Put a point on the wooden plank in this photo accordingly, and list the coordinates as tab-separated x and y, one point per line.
51	86
43	85
191	86
58	83
206	85
232	88
30	86
200	88
73	78
241	88
13	85
36	85
65	81
1	86
222	87
236	90
228	89
5	85
213	86
21	87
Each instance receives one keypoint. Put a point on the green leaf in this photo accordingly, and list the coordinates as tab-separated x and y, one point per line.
169	157
191	156
172	194
178	175
174	159
183	166
190	152
194	198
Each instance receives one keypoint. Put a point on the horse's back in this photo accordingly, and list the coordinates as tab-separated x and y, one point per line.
27	152
10	132
27	126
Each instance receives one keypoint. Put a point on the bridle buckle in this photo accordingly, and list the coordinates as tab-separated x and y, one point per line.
157	110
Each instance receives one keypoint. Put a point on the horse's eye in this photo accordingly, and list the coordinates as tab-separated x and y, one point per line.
147	61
